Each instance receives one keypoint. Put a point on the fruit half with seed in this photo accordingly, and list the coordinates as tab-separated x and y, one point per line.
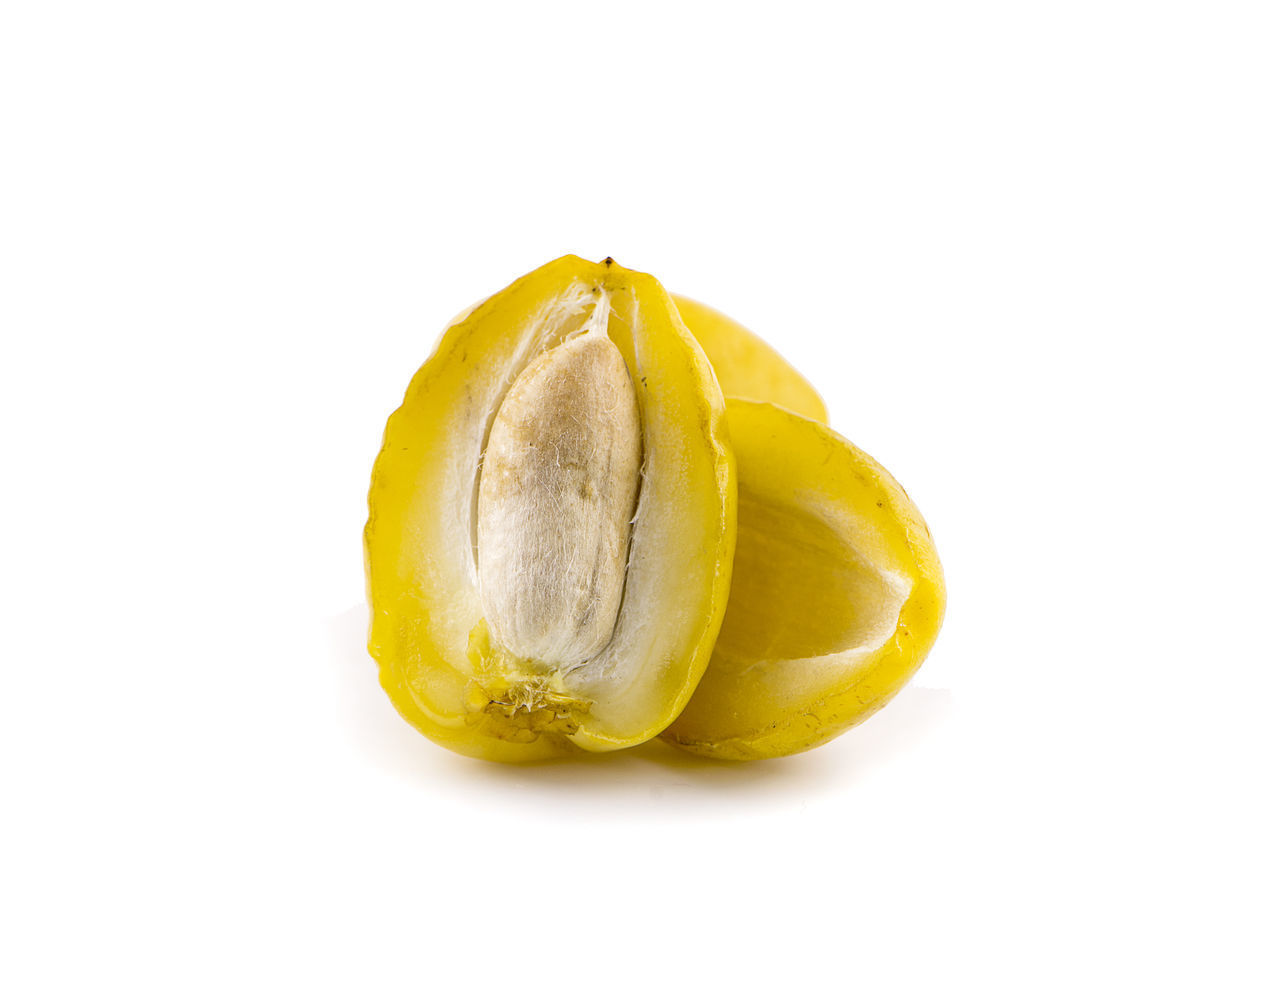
837	594
552	520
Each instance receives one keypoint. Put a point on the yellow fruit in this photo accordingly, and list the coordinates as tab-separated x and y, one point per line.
837	594
747	367
551	520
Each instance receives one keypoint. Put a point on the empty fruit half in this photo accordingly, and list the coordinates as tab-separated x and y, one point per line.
837	594
552	520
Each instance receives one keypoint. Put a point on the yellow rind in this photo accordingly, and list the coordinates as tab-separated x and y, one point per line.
793	470
747	367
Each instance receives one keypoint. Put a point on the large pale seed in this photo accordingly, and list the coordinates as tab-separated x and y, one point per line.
557	492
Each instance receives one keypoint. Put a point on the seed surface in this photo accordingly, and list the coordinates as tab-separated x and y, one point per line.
557	493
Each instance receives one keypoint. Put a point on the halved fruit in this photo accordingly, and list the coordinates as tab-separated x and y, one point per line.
837	594
551	520
747	367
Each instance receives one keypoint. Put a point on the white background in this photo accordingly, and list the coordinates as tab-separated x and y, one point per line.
1027	251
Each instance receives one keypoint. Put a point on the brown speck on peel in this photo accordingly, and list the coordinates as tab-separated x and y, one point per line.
608	262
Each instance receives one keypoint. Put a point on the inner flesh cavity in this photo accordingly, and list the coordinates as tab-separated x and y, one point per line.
802	590
557	493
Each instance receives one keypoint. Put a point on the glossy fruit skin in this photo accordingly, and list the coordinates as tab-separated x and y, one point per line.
427	633
747	367
837	597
